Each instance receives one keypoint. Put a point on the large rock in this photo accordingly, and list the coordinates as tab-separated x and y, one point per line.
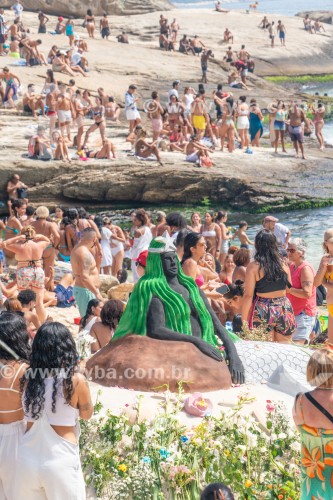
78	8
145	364
324	16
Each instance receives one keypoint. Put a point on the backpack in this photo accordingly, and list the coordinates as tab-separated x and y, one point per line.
65	296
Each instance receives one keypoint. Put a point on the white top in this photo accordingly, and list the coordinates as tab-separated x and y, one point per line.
188	98
76	58
64	414
142	243
281	231
106	247
89	325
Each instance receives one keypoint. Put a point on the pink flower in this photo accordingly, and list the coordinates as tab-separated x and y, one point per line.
126	405
221	348
270	407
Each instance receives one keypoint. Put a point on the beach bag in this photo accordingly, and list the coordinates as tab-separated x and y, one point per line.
65	296
205	161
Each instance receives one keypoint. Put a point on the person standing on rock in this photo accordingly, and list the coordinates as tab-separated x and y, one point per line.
50	230
90	23
64	112
104	27
132	113
282	33
155	112
296	119
85	270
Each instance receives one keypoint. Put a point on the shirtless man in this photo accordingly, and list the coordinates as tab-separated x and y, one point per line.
243	54
195	150
242	236
199	115
185	47
64	112
144	149
174	30
228	36
205	56
103	96
155	111
14	30
104	27
122	38
296	118
32	51
197	45
229	55
271	33
85	270
318	26
33	102
282	33
52	104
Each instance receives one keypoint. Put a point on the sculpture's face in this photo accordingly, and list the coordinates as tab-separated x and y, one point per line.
170	264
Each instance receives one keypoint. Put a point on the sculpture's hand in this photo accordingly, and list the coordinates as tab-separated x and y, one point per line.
207	349
236	369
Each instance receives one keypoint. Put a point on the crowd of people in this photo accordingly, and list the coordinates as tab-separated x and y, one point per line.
188	120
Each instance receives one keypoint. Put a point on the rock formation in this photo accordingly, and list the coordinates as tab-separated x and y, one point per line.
324	16
78	8
135	362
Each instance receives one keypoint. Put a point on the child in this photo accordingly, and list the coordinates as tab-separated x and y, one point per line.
242	236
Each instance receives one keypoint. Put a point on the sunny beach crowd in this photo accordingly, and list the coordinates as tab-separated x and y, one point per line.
193	121
261	285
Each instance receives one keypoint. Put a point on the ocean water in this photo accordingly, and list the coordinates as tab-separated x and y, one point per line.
283	7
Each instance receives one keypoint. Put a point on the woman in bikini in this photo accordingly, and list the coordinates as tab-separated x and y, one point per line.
63	251
175	109
212	234
14	226
196	222
28	248
143	149
194	251
90	23
14	335
51	231
98	112
227	270
107	151
61	150
79	120
318	121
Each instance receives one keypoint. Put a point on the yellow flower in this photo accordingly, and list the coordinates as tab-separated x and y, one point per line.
227	452
122	468
248	483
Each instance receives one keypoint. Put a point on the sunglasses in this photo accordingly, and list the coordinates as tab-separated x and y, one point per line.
291	250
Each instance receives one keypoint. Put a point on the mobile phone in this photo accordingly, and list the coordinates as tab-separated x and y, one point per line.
223	289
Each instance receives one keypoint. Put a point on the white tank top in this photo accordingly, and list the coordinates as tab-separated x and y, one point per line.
64	414
142	243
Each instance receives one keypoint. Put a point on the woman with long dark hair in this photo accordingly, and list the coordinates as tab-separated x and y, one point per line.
93	314
194	251
55	396
267	279
14	226
103	330
14	356
211	231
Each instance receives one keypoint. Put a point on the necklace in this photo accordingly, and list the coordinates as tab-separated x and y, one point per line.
324	388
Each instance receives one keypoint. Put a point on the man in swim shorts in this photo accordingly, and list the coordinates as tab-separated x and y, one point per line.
282	33
199	115
64	112
296	118
85	270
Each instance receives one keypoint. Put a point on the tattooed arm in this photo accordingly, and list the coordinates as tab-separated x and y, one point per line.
307	278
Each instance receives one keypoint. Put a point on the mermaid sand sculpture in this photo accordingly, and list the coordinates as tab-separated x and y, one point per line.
168	325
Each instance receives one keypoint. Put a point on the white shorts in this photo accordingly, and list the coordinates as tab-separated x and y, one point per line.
64	116
224	246
10	437
132	114
243	122
193	157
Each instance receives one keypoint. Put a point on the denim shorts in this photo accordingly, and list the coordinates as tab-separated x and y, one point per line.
279	125
304	326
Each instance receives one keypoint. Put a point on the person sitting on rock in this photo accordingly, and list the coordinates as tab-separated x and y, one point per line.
167	305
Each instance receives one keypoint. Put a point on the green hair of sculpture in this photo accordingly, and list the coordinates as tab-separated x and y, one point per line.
177	311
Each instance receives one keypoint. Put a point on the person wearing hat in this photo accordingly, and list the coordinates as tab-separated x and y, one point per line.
281	231
324	277
141	262
132	113
60	27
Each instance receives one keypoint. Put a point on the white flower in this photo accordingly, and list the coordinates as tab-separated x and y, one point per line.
273	437
136	428
282	435
263	449
295	446
241	447
252	440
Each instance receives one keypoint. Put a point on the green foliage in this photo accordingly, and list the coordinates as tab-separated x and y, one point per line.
162	459
301	79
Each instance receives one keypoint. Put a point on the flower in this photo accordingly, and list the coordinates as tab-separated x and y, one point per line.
248	483
164	453
312	464
146	460
270	407
122	468
184	439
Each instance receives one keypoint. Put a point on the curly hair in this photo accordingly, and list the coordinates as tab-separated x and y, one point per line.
29	232
14	338
53	355
17	204
111	313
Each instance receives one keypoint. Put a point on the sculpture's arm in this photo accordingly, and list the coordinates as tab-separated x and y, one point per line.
235	365
156	329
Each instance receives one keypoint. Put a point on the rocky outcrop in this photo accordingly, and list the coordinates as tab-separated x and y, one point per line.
324	16
135	362
78	8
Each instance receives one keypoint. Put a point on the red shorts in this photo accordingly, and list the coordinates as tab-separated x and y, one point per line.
51	113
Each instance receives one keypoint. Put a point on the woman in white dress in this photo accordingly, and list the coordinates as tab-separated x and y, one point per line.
106	265
142	238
